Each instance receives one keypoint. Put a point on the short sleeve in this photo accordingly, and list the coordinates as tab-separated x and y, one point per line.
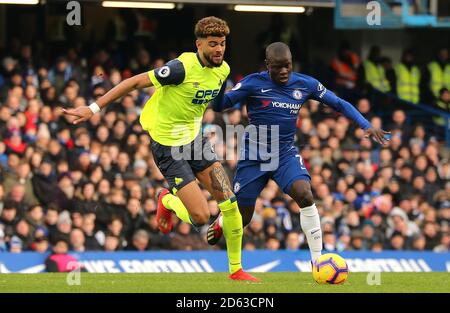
172	73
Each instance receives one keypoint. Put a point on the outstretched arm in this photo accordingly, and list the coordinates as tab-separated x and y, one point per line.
172	73
123	88
340	105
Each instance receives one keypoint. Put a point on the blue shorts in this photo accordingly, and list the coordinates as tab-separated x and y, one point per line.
250	179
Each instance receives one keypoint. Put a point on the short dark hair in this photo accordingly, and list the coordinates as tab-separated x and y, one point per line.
277	48
10	205
211	26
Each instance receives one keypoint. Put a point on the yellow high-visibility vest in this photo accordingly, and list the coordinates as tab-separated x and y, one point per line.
408	83
440	78
437	119
376	76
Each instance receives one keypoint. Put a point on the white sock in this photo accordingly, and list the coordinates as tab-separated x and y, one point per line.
221	221
310	222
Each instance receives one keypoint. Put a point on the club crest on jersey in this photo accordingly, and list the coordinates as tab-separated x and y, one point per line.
164	71
237	186
196	85
297	94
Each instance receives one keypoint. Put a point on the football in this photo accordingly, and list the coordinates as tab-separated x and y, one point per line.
330	268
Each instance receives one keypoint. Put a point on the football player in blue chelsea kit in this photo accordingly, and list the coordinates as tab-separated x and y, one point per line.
273	99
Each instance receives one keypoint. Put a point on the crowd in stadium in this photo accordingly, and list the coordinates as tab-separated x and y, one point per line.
94	185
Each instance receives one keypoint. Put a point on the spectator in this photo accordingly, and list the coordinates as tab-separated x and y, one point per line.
370	237
15	245
342	244
77	240
92	239
158	241
111	243
40	245
51	220
46	188
431	235
373	71
408	78
87	200
115	226
35	217
399	223
254	232
397	242
438	73
23	232
444	246
329	241
140	241
419	243
64	224
357	242
344	66
60	74
59	260
9	219
293	241
185	240
17	195
272	243
364	107
134	219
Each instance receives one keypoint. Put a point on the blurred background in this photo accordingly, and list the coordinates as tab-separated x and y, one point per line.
92	187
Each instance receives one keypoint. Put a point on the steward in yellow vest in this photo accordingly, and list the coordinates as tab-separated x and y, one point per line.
408	78
439	71
374	72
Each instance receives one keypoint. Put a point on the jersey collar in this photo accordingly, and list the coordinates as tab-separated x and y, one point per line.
199	59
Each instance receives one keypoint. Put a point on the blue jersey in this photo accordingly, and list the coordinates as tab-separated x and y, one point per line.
270	104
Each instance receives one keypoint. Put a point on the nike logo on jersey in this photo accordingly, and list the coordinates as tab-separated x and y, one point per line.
315	231
265	90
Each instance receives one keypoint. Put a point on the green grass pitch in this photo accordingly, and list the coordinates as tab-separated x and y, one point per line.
219	282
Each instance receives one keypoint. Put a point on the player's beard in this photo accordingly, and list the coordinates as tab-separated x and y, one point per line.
210	60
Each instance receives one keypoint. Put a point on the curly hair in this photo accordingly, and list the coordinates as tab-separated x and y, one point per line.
211	26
